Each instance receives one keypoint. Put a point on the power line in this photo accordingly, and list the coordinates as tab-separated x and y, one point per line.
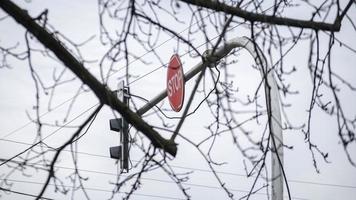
30	122
198	185
95	189
143	178
168	181
39	142
194	169
22	193
143	194
149	195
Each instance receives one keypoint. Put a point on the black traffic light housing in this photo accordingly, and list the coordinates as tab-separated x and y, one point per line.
121	152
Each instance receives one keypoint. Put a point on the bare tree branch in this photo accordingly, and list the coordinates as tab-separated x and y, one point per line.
101	91
271	19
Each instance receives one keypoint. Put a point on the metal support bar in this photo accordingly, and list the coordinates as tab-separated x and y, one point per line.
272	98
209	59
125	135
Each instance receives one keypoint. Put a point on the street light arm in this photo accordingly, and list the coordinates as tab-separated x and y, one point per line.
272	101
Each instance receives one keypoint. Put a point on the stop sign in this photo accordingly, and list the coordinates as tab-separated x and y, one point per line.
175	83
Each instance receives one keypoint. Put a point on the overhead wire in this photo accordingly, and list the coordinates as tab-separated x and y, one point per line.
143	178
194	169
41	141
148	195
30	122
23	193
169	181
96	189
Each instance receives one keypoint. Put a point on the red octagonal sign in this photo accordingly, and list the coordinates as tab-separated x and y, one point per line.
175	83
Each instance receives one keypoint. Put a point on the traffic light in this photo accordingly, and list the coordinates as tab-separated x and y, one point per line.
120	125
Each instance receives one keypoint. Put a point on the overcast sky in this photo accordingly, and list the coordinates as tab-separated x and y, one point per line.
78	20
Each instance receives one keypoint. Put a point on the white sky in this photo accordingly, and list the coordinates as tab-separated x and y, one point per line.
78	20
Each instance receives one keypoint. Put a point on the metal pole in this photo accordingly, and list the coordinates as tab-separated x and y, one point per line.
125	134
272	98
273	103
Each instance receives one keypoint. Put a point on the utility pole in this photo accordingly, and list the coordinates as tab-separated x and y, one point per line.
272	102
120	125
